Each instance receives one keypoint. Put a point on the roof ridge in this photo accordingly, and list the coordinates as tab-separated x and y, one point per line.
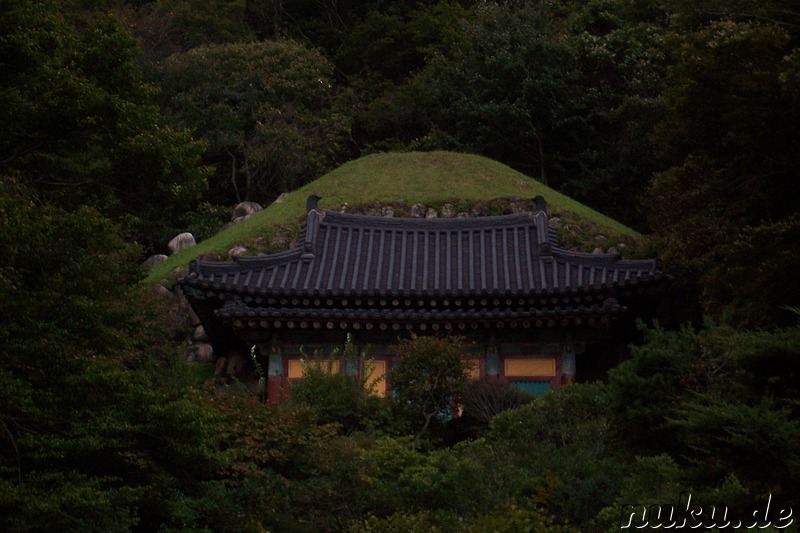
333	217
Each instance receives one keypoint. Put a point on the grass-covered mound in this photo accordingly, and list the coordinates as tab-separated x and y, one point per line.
400	180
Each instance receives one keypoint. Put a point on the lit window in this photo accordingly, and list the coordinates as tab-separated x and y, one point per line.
296	366
530	367
376	379
473	367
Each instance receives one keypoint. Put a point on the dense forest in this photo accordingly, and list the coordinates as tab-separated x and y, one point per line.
124	122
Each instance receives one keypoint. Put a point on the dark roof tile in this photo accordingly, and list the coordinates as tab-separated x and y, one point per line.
352	254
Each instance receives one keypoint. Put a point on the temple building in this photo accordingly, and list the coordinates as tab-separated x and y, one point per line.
529	310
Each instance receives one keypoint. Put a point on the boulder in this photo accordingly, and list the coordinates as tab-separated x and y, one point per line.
219	370
201	352
431	213
518	206
373	210
554	222
479	210
238	364
194	320
417	210
153	260
209	256
199	334
245	209
279	241
387	211
162	291
448	210
181	242
281	198
237	250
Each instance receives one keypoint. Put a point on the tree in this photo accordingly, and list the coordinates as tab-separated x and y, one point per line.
429	376
80	125
720	402
166	27
338	397
565	94
564	441
268	110
725	212
87	440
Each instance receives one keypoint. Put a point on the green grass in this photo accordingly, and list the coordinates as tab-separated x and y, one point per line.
426	177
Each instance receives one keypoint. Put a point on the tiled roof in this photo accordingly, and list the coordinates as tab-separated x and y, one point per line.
417	314
354	255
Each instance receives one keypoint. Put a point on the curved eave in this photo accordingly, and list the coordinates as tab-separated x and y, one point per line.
232	288
316	319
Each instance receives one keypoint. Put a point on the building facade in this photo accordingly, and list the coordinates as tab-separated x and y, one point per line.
525	306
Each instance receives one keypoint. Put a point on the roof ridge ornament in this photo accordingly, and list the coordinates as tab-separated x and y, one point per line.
539	204
539	216
313	218
312	203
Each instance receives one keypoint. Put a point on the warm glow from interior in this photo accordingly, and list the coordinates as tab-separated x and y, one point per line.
530	367
296	366
376	380
473	366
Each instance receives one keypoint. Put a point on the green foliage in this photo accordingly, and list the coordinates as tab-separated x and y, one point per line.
654	480
207	220
468	480
724	402
99	425
431	177
286	472
552	98
87	441
565	442
485	398
340	398
165	27
206	21
646	389
519	519
268	111
81	129
400	522
725	212
429	376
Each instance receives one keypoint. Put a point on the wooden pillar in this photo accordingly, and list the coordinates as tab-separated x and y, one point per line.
492	361
275	374
568	363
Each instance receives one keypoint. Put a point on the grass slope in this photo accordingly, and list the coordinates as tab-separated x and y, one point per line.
426	177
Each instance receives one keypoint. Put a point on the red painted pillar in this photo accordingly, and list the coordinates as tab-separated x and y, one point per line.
274	389
568	363
275	375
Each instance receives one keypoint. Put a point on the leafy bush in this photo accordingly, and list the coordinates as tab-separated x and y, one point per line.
719	402
342	398
564	440
207	220
485	398
429	377
646	389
